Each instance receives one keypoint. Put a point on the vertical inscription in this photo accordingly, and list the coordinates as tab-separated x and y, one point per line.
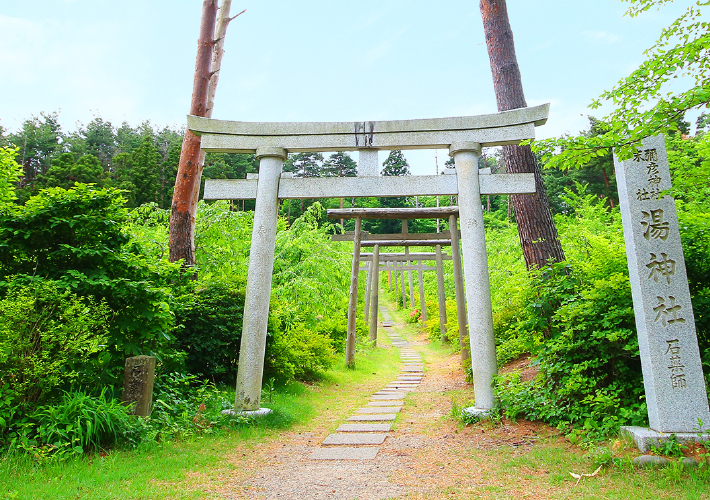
670	358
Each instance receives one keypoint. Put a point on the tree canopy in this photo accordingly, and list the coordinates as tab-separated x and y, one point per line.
674	78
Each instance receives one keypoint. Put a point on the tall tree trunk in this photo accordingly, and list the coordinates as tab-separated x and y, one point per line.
223	21
537	231
210	49
189	169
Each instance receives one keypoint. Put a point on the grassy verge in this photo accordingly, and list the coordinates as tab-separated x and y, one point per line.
177	470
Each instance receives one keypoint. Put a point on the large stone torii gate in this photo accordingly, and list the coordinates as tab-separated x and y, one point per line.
271	142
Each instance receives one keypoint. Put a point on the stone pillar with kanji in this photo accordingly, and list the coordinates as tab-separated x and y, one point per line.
672	372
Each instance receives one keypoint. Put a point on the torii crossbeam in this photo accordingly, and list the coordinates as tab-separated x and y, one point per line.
463	136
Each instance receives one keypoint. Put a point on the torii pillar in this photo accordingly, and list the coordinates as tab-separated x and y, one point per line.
475	264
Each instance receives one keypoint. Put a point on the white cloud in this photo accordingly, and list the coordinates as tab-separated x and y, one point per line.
601	36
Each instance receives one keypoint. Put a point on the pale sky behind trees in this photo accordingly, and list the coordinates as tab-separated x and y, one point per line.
314	60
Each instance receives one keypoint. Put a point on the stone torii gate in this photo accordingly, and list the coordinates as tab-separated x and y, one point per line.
271	142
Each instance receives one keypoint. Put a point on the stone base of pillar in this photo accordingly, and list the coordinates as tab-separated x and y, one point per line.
261	412
644	437
477	413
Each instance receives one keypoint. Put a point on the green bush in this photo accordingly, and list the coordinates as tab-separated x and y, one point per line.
299	352
209	319
76	237
48	336
577	320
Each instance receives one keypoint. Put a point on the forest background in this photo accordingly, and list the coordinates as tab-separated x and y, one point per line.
85	280
84	275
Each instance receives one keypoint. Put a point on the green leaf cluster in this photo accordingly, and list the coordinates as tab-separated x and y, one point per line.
643	104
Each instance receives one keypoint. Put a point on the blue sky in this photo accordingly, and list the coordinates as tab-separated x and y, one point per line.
314	60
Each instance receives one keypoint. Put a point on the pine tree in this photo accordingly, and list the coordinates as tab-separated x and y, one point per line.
308	165
396	164
340	165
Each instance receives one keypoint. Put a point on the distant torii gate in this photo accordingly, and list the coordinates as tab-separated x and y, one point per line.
407	239
463	136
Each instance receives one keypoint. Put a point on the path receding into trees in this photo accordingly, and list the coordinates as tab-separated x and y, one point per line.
360	437
400	443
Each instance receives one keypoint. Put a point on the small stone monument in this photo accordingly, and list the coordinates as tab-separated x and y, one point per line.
138	379
673	376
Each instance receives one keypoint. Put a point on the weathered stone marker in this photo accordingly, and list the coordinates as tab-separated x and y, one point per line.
670	359
464	136
138	378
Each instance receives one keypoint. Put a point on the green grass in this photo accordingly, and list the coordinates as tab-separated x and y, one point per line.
175	470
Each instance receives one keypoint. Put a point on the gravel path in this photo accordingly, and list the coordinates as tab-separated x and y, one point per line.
425	455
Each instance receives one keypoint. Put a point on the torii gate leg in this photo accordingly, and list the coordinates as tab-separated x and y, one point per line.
374	302
258	292
352	304
422	302
473	236
458	282
405	230
368	286
404	290
442	294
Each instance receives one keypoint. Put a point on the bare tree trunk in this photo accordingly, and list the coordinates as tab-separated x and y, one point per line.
537	231
192	158
189	169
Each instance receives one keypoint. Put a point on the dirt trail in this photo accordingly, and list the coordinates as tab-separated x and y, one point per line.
426	455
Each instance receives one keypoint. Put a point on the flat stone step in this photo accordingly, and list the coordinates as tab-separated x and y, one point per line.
364	428
408	377
377	417
344	453
386	403
355	438
400	387
409	369
380	409
383	397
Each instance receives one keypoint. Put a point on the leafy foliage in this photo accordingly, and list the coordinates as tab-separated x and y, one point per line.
210	328
47	335
643	104
75	237
9	174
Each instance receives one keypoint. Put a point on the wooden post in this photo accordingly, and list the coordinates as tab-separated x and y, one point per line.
352	306
442	294
404	290
368	288
389	279
422	301
405	230
460	294
138	380
374	303
396	287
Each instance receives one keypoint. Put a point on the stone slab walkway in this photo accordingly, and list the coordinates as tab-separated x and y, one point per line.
360	441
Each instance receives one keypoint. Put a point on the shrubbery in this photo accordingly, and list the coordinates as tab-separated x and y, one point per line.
577	320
